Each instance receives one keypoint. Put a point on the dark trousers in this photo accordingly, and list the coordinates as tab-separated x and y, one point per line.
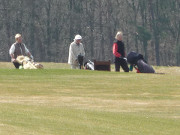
16	65
123	64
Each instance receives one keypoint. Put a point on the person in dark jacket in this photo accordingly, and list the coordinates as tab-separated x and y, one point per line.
119	53
18	49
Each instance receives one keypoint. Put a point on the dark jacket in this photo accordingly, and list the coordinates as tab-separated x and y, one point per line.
19	50
118	50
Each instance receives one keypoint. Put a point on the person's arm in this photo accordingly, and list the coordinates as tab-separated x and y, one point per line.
115	50
11	53
12	58
30	55
72	57
82	50
72	51
28	52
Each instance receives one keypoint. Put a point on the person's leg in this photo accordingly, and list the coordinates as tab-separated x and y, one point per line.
74	66
77	66
117	66
16	65
124	65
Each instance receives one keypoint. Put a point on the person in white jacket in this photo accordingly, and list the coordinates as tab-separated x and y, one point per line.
76	48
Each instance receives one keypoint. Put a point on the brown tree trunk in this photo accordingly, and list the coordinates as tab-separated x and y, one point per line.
155	32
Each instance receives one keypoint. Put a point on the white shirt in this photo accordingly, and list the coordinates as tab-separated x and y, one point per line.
74	51
12	49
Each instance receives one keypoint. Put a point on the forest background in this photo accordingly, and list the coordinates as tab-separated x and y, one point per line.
150	27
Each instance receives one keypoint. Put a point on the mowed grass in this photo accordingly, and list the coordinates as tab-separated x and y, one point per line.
61	101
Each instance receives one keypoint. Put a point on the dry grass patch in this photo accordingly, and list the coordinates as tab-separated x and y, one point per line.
97	103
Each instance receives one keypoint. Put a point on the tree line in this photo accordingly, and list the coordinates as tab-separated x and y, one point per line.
150	27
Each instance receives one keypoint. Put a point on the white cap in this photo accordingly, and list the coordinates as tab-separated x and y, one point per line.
78	37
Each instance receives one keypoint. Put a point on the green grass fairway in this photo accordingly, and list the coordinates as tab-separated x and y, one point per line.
61	101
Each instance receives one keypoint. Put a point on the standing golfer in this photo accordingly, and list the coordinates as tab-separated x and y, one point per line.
17	49
119	53
76	48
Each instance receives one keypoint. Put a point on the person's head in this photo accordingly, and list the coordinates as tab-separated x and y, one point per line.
119	35
18	38
78	39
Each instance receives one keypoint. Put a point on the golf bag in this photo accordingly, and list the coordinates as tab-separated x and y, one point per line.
137	61
80	59
89	65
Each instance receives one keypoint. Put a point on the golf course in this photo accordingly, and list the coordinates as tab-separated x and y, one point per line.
59	101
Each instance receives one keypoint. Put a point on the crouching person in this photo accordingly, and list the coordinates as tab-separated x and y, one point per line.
18	49
76	49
